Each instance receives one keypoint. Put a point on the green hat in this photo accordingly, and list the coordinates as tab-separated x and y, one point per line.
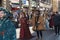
5	11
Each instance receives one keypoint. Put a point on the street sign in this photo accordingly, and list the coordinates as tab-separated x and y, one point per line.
24	1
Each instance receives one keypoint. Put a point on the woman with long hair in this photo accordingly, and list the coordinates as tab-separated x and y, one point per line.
24	31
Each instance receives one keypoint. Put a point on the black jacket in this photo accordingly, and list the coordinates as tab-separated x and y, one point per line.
56	19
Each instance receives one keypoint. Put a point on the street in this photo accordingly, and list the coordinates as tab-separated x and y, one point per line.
47	35
42	14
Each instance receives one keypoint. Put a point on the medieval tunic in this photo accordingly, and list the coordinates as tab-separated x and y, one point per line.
51	23
24	32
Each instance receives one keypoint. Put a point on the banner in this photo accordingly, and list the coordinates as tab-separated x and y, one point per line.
24	1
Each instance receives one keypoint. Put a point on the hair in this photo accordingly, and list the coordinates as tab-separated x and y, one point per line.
23	14
53	14
56	12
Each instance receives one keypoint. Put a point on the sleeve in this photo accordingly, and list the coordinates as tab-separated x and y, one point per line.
11	30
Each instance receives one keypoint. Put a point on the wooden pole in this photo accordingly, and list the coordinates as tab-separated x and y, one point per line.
20	4
29	10
8	5
4	3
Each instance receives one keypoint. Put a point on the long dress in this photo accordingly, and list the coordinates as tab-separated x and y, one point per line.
24	32
7	30
51	23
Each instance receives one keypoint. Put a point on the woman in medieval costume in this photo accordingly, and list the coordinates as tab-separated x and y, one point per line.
24	32
7	28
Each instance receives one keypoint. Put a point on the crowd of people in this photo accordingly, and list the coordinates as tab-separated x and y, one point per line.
9	22
8	26
45	21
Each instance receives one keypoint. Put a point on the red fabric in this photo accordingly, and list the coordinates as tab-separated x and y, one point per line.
2	33
15	9
24	32
51	22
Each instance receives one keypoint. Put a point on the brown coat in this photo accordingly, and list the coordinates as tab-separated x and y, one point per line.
40	21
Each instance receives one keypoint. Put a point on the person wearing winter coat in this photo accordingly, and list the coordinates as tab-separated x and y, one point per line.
38	23
56	20
7	28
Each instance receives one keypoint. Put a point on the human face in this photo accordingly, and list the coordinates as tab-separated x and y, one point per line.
23	15
1	14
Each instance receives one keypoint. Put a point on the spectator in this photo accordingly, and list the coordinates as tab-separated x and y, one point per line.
7	28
